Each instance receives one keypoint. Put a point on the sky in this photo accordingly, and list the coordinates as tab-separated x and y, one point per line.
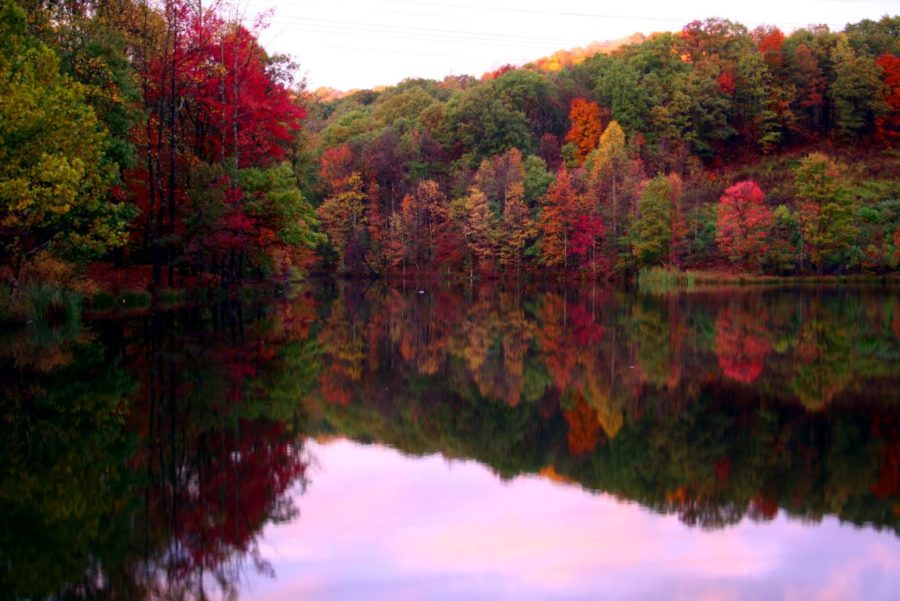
375	524
355	44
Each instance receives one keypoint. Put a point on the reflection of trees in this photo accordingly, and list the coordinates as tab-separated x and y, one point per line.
156	484
61	466
742	342
678	402
825	364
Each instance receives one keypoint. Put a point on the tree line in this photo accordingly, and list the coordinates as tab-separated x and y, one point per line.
714	147
152	133
162	135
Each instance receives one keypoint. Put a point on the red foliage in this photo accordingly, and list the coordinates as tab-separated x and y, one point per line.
743	223
252	112
549	150
726	82
336	166
770	46
587	240
742	344
491	75
557	220
888	126
586	331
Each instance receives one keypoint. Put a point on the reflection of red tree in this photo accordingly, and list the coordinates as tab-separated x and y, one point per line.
238	484
584	428
742	344
586	329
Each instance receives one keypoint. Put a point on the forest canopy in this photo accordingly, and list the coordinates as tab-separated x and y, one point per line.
162	137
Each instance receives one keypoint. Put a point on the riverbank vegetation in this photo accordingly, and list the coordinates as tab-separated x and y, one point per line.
160	140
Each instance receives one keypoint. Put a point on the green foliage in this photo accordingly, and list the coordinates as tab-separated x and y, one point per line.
274	198
53	176
825	210
858	92
654	223
537	179
481	123
661	280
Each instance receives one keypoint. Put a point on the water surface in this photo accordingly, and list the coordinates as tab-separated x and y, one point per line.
375	441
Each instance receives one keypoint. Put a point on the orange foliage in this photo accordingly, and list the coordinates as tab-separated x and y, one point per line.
584	428
336	166
587	127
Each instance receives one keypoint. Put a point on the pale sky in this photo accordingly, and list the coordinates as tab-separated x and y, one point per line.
375	524
348	44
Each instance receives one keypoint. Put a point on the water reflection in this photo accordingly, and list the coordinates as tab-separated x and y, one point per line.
713	406
143	455
142	460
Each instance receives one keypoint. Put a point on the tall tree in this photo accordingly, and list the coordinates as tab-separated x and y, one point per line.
480	231
609	165
888	124
654	224
516	228
824	210
559	210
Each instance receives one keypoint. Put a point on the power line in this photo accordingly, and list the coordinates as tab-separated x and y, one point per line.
335	26
578	14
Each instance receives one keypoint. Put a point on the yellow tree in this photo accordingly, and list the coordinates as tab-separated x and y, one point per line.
479	230
343	218
517	228
608	170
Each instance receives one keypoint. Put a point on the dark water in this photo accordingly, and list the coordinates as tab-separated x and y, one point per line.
369	442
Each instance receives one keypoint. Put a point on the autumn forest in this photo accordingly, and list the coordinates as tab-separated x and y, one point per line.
621	316
158	146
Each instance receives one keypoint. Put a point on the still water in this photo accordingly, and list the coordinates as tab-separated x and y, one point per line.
389	442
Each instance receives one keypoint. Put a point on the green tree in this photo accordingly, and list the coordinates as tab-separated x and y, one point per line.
287	220
825	210
858	93
537	179
654	229
53	176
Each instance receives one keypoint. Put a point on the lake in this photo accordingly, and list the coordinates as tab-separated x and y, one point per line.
367	440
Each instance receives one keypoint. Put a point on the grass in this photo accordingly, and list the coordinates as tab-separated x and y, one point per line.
660	280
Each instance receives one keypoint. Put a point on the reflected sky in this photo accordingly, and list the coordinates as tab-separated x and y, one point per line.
434	528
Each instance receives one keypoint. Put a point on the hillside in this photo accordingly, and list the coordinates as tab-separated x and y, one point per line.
601	164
